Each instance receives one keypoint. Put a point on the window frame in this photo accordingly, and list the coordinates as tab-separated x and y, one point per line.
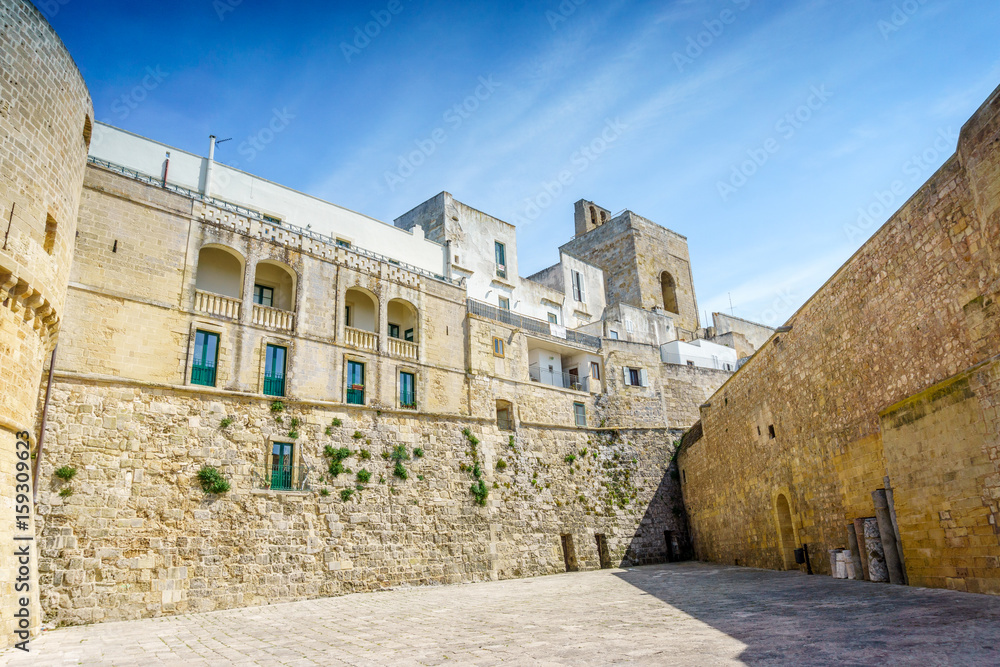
613	335
500	255
595	371
412	405
579	289
499	347
350	386
272	378
580	414
503	302
391	328
553	318
194	358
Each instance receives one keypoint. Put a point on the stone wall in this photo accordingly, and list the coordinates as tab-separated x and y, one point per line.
45	116
138	537
912	310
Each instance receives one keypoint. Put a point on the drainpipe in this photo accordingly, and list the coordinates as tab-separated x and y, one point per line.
208	168
166	169
41	434
446	272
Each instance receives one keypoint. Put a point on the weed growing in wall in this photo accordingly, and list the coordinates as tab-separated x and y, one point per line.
478	489
345	494
66	492
212	480
65	473
226	422
363	476
336	456
364	454
400	454
277	406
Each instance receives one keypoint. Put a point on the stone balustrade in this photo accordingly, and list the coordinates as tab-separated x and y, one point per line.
217	304
363	340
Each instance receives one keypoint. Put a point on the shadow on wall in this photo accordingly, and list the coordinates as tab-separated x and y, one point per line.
790	618
662	535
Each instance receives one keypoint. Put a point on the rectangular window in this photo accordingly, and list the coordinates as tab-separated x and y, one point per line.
408	335
579	293
393	331
595	370
355	383
501	254
273	220
407	397
206	358
770	432
580	413
613	335
343	244
497	347
636	377
282	470
504	303
553	318
504	421
629	327
263	295
274	370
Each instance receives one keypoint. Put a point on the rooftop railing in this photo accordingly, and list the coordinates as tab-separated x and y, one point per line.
698	362
558	379
249	213
529	324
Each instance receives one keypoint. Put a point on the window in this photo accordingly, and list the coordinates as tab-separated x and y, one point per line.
263	296
553	318
408	335
270	218
595	370
347	316
613	335
636	377
770	432
407	397
355	383
206	357
504	303
579	293
629	327
501	254
274	370
580	414
669	292
690	363
343	244
505	420
282	470
393	331
497	347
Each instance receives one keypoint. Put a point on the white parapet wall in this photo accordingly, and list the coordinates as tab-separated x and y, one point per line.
700	353
289	206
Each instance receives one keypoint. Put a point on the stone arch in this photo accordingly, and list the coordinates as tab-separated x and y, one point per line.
786	531
668	287
361	310
220	271
403	319
278	277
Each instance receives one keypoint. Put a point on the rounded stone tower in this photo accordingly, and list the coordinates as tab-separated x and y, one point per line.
45	126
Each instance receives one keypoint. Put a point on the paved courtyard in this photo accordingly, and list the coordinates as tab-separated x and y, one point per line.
686	613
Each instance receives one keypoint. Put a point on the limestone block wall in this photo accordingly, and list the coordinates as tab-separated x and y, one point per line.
139	538
915	306
45	116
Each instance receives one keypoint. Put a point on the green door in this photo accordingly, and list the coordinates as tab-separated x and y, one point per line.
355	383
274	371
206	355
281	466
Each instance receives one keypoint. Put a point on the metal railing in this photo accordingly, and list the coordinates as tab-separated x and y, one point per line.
557	379
203	375
526	323
279	477
355	396
260	217
274	386
407	399
716	363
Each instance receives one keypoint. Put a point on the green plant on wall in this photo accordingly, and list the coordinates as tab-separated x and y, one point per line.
336	456
363	476
66	492
226	422
65	473
212	480
478	488
501	465
277	406
418	453
358	435
345	494
336	422
400	454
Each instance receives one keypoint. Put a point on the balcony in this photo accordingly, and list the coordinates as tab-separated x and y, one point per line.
556	379
278	477
203	375
403	349
356	395
530	324
273	318
216	304
363	340
274	386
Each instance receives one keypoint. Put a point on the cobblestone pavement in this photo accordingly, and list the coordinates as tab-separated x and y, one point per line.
686	613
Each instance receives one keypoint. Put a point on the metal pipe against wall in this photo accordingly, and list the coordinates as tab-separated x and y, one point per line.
37	468
888	535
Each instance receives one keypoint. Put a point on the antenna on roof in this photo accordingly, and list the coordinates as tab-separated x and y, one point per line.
731	310
222	141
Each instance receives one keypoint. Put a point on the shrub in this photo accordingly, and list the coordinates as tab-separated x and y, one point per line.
66	492
570	458
279	419
293	434
345	494
328	431
510	442
336	467
226	422
324	492
358	435
294	422
501	465
363	476
418	453
66	473
400	471
336	421
477	471
399	453
212	480
277	406
364	454
480	491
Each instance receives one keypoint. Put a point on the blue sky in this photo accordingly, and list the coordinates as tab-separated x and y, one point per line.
757	129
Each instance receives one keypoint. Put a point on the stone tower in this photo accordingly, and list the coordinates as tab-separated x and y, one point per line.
45	128
645	265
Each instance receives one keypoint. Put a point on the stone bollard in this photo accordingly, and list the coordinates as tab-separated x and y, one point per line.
833	562
844	564
876	556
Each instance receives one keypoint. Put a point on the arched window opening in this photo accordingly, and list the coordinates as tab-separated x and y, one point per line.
220	271
360	309
274	286
402	320
669	288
